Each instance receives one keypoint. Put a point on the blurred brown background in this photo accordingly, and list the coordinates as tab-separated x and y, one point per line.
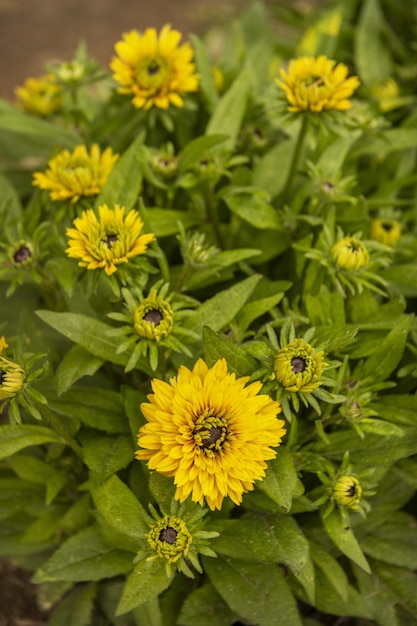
35	32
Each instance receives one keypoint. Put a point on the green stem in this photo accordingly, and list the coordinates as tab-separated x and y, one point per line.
295	159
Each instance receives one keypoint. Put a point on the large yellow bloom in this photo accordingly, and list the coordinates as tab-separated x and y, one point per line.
155	70
210	432
41	96
108	241
80	173
316	84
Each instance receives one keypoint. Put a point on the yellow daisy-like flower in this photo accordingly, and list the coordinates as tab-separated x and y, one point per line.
347	492
12	377
41	96
298	366
387	232
350	254
316	84
210	432
155	70
107	241
71	175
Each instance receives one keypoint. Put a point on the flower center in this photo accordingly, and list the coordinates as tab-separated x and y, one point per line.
168	535
2	377
311	81
353	247
351	491
153	316
110	240
210	433
387	226
298	364
152	73
22	255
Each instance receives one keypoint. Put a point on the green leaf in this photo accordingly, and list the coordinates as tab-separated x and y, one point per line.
393	543
372	56
238	360
228	115
30	468
271	171
202	60
164	222
379	598
77	363
281	480
401	581
76	608
205	607
387	353
84	557
197	148
330	568
120	508
391	140
125	181
259	306
213	269
257	592
10	207
147	581
215	314
253	207
163	489
329	601
16	437
342	536
106	455
45	526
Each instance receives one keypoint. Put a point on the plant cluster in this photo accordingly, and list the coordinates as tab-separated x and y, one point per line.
208	344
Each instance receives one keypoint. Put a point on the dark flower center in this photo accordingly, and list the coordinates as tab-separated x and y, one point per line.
351	491
153	316
353	247
22	254
298	365
153	68
214	434
387	226
168	535
110	240
2	377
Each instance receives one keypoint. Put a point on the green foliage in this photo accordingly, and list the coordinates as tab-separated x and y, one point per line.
283	245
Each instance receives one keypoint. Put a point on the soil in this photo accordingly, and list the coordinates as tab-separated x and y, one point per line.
35	32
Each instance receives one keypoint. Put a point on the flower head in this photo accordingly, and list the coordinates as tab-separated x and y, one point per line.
350	254
12	377
210	432
71	175
108	240
347	492
153	318
170	538
387	232
316	84
155	70
21	253
41	96
298	366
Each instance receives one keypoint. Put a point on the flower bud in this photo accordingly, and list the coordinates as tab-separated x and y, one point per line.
12	378
298	366
350	254
170	538
347	492
153	318
387	232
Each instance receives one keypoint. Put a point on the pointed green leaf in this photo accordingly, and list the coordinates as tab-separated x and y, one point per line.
77	363
341	534
16	437
280	482
238	360
147	581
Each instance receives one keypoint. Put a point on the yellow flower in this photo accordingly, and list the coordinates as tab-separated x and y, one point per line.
350	254
80	173
210	432
316	84
12	376
3	344
40	96
347	492
108	241
298	366
155	70
169	538
387	232
153	318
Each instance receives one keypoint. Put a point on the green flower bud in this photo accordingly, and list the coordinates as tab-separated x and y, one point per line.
165	166
170	538
298	366
387	232
21	253
12	378
350	254
153	318
347	492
